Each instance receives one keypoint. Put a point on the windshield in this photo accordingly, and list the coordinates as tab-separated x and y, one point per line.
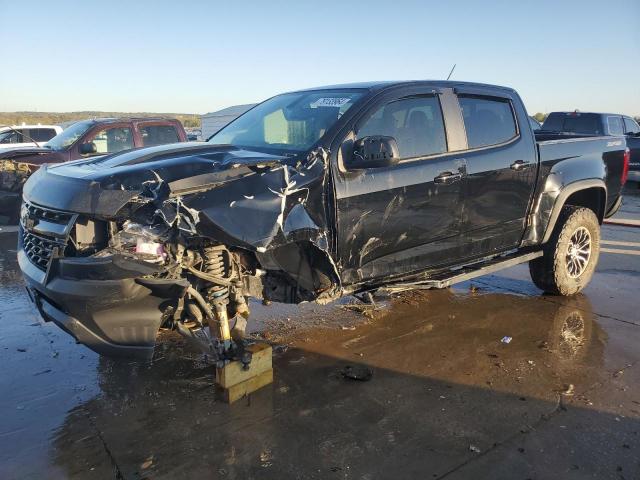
292	122
6	136
69	136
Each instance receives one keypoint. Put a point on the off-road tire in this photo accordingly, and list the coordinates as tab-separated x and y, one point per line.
551	271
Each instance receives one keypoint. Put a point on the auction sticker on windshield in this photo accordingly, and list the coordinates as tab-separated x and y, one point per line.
331	102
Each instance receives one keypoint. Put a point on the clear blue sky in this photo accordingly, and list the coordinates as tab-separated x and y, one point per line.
199	56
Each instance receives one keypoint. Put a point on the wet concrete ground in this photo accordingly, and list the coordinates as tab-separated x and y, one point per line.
447	399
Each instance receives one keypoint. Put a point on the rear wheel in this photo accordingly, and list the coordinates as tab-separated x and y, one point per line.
571	254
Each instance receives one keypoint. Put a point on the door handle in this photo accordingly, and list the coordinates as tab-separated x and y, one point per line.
520	165
447	178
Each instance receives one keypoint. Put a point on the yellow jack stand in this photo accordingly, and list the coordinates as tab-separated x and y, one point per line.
237	383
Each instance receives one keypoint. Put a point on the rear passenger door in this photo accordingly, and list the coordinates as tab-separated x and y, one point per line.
406	217
501	171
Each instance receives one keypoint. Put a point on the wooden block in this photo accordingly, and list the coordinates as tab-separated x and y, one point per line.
233	373
242	389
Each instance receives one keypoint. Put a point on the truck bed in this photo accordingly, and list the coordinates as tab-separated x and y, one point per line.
593	156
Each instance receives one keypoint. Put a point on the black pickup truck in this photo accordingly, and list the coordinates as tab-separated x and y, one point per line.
587	123
309	196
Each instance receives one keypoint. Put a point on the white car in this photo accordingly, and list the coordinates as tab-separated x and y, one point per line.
26	135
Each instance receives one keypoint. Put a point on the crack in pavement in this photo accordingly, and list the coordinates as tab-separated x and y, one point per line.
524	430
116	467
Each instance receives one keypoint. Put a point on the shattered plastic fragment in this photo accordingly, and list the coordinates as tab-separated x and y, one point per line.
506	339
357	372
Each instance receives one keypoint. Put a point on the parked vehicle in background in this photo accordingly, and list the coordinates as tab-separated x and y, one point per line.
213	121
586	123
312	195
535	124
194	134
27	135
83	139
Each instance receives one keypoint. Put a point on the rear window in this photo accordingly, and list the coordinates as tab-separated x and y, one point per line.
488	121
158	135
582	123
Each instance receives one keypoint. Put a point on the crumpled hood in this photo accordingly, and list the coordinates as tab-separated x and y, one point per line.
236	196
102	185
34	155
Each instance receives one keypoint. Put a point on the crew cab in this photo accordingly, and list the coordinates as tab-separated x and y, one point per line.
309	196
83	139
20	136
586	123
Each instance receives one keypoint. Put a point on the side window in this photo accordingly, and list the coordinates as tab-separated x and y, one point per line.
416	123
614	125
158	135
111	140
630	126
488	121
42	134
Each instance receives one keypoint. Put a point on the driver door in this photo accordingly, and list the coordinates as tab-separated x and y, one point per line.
108	139
402	218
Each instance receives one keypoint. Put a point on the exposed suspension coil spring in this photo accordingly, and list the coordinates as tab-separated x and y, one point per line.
216	263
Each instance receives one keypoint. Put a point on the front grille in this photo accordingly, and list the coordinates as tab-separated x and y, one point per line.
47	214
40	233
40	249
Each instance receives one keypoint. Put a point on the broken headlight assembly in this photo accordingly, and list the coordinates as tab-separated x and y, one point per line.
145	242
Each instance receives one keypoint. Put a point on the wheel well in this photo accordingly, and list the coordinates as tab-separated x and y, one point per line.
593	198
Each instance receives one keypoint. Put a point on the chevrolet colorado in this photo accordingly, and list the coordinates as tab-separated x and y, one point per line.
309	196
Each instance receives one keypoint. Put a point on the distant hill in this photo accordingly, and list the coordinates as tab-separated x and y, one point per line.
17	118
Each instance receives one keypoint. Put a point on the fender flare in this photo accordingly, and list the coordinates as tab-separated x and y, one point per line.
564	194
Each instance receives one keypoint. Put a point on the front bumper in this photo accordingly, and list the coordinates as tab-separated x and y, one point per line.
118	316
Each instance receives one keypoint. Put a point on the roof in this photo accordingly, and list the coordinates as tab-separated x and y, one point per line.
380	85
235	110
580	112
3	128
128	119
238	110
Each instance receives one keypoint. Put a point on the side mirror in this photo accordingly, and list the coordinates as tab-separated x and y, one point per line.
88	148
374	152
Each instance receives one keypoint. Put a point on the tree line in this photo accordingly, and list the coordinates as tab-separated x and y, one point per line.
189	120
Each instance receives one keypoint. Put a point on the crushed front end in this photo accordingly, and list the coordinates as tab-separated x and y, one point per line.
115	248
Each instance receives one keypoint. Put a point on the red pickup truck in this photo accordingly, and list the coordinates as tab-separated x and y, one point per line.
82	139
